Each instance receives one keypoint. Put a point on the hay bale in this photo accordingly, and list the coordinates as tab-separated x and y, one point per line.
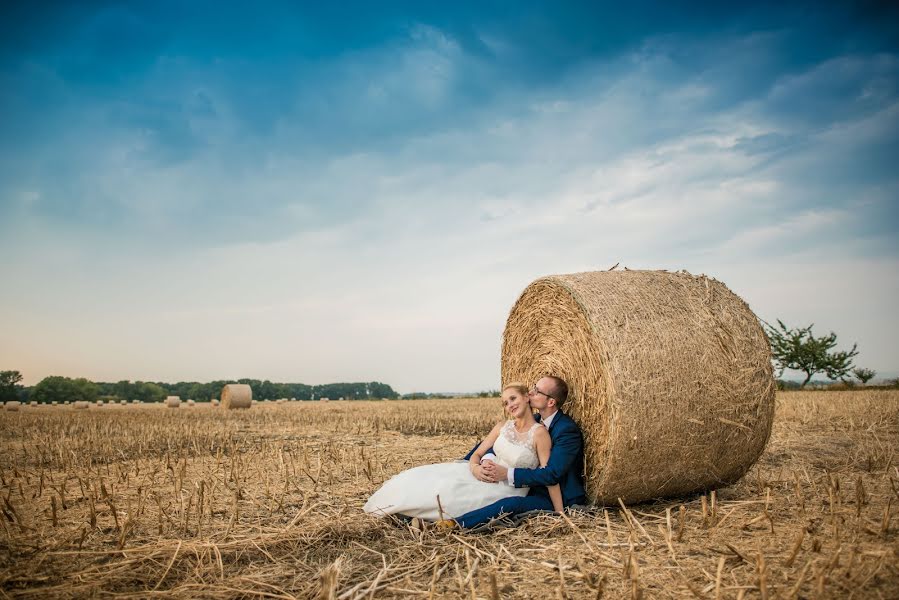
172	401
32	403
214	402
54	403
190	402
123	402
135	401
99	404
12	405
669	374
81	404
237	395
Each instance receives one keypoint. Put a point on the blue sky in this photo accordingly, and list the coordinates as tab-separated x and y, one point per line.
361	192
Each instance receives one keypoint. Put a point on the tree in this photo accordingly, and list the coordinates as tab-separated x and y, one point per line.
61	389
864	375
800	350
9	385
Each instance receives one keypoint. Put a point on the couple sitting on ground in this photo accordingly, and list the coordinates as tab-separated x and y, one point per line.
521	466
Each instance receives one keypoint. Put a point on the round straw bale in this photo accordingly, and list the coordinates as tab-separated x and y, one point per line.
99	403
214	402
173	401
32	403
54	403
669	376
190	402
13	405
135	401
123	402
81	404
237	395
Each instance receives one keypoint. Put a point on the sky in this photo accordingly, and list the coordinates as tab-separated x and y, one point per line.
194	191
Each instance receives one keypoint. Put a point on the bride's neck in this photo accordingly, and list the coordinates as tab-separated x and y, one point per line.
524	421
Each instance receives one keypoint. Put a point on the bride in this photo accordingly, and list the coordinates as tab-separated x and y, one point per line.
447	490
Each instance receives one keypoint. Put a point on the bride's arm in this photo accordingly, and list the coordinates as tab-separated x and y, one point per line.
544	447
474	463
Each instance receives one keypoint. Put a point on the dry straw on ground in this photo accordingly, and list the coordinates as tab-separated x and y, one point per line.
267	504
669	373
237	395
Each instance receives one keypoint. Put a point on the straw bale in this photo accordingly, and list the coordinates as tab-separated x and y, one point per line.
32	403
173	401
237	395
190	402
123	402
13	405
80	404
99	403
669	376
135	401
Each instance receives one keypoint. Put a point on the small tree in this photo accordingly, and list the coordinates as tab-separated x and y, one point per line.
864	375
800	350
9	385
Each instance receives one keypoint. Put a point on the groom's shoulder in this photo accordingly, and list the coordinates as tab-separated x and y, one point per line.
567	422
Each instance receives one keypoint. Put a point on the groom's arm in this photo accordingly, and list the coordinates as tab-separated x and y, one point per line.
565	449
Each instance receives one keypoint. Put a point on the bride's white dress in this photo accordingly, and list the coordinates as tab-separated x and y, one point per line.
414	491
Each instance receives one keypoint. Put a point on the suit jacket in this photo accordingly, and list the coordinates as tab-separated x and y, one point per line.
565	465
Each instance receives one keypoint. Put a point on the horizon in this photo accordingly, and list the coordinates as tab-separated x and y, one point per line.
360	193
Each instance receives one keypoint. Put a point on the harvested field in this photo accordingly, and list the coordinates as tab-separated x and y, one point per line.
267	502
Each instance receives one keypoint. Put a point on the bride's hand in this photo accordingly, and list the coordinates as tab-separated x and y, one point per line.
478	472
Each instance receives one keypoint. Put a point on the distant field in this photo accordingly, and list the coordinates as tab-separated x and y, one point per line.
138	501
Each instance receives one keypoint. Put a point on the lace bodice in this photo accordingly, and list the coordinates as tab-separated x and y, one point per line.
516	450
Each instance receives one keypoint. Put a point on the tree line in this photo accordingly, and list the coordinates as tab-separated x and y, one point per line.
60	389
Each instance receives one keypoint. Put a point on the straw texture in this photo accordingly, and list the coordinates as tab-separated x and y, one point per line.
237	395
669	376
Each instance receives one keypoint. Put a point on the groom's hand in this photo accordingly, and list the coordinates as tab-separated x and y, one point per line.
478	472
494	471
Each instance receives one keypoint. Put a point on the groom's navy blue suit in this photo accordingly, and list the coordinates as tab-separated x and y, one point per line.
565	465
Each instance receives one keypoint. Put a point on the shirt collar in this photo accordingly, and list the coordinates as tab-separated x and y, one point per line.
549	420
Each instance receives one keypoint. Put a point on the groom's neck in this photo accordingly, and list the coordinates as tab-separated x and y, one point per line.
547	412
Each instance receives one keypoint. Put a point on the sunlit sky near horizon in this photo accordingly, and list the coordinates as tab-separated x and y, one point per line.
361	192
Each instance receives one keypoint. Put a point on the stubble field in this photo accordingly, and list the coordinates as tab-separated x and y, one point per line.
205	503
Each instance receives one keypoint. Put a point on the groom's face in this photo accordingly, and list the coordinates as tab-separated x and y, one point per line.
538	394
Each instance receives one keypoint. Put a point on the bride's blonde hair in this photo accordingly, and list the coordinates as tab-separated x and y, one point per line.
518	386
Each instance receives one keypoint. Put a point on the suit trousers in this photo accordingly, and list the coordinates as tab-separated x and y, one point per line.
513	505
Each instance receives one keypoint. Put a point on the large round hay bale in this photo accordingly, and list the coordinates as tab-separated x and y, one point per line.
12	405
669	376
81	404
172	401
237	395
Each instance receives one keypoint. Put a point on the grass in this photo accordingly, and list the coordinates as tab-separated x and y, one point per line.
204	503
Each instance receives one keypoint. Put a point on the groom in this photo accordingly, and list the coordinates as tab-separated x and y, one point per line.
565	465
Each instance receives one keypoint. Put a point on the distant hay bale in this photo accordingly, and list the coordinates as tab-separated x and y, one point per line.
32	403
669	374
54	403
99	403
135	401
66	402
172	401
12	405
81	404
237	395
190	402
214	402
123	402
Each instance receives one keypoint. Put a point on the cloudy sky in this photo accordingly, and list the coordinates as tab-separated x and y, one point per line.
192	192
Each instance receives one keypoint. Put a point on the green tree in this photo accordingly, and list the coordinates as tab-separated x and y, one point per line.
9	385
864	375
61	389
800	350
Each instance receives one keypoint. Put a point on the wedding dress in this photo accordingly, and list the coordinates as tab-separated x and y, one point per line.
414	492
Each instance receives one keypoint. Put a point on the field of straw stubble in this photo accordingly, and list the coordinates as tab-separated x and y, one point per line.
203	503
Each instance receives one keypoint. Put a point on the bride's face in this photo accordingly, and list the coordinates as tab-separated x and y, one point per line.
515	402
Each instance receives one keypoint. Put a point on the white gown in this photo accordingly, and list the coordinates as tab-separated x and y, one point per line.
414	492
